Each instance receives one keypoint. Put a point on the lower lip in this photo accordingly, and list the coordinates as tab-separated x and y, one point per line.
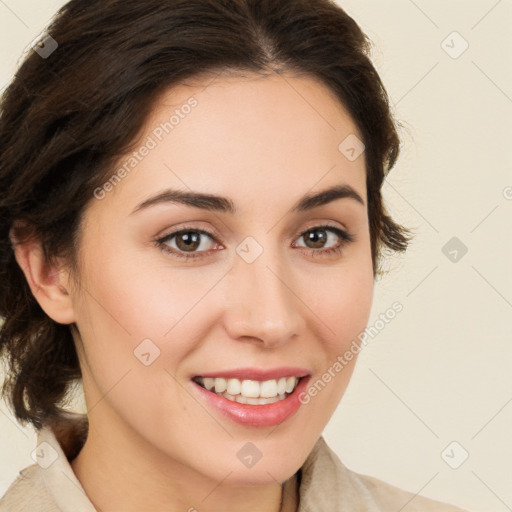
256	415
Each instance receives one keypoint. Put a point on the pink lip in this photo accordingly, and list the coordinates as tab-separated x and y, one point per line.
258	373
255	415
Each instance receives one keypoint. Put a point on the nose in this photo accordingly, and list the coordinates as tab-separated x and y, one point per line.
261	304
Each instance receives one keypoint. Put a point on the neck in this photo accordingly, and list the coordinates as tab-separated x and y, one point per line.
120	471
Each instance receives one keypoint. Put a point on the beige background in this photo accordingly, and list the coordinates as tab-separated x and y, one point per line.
441	370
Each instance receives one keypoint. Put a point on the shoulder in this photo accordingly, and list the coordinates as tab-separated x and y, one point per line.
50	485
327	484
28	493
387	495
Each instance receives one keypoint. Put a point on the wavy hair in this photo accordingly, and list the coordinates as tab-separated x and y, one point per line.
66	118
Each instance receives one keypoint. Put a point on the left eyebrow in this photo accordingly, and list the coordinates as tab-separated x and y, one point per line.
327	196
223	204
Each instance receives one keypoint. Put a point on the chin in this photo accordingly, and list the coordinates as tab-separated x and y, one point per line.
271	473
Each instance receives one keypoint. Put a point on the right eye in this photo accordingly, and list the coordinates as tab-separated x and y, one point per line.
185	242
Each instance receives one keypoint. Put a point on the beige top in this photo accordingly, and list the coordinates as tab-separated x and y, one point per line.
322	484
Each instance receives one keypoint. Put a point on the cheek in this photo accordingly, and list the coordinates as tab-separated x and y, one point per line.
132	321
344	302
128	301
346	307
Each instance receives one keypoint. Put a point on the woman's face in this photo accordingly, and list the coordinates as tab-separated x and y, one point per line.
259	293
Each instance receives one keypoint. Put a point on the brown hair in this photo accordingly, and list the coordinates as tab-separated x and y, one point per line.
66	119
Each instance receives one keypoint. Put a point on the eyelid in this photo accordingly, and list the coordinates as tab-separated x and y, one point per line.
341	231
187	227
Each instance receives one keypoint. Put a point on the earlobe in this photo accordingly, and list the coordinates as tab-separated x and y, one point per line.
49	283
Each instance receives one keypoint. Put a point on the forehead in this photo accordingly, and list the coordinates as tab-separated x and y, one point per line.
251	110
248	137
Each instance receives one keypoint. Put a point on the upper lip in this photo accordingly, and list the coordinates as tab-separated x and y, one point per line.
260	374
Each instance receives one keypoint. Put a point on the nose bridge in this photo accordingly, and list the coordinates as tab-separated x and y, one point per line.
262	303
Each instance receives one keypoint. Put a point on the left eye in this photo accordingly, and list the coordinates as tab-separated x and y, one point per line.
320	235
188	243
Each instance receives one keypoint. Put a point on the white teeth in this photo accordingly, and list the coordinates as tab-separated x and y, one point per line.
269	388
220	385
251	391
234	387
281	386
209	383
254	401
290	384
250	388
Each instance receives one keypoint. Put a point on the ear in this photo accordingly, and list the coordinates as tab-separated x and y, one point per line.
49	283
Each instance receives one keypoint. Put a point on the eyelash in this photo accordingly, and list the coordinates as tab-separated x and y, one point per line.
345	237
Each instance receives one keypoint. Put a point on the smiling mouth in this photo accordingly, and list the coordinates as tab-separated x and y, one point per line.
252	392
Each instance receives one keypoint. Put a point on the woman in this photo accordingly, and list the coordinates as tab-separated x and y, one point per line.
191	223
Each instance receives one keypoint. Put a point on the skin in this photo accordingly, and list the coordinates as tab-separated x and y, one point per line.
153	442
